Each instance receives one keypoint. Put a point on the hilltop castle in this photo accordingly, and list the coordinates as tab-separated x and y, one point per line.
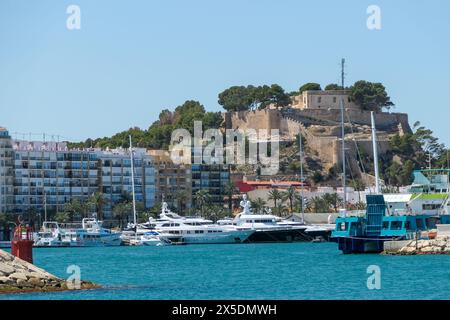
317	115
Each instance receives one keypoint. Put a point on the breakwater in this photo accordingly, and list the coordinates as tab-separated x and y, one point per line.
18	276
440	245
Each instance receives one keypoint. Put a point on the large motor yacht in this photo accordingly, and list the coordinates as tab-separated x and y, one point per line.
267	227
194	230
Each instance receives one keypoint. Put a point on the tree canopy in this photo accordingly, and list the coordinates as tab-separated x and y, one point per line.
158	135
333	86
242	98
309	86
370	95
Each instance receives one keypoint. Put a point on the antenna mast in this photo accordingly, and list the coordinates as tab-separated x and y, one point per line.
344	187
302	179
132	187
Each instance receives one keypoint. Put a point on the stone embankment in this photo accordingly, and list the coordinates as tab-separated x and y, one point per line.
18	276
440	245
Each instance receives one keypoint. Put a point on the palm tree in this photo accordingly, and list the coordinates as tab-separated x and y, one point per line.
181	198
230	191
62	217
275	195
202	197
290	195
125	197
120	211
97	199
280	209
318	205
333	200
214	212
258	205
76	209
298	202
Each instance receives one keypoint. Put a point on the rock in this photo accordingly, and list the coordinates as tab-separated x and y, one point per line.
4	256
440	243
410	250
427	249
6	269
437	249
423	243
6	280
36	282
24	284
446	249
18	276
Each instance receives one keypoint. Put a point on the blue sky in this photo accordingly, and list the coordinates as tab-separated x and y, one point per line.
132	59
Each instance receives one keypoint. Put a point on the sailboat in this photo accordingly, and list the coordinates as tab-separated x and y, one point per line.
133	236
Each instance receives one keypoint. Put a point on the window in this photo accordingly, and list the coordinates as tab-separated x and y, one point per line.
419	223
396	225
430	206
334	99
319	99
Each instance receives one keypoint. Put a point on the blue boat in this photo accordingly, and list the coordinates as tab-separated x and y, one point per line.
427	206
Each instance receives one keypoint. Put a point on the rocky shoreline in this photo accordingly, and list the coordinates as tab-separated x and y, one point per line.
18	276
440	245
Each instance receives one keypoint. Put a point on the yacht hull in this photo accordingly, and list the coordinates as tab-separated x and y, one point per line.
280	235
104	241
212	238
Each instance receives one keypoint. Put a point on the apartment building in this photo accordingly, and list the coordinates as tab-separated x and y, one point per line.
115	177
35	174
6	172
173	182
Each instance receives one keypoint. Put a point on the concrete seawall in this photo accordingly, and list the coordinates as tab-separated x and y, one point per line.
18	276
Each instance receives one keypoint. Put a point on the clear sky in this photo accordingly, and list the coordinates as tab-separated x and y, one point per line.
130	59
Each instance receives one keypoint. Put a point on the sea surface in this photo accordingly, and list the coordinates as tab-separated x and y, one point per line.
243	271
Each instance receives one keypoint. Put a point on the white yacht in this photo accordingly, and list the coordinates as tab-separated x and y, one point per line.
267	227
89	234
150	238
193	230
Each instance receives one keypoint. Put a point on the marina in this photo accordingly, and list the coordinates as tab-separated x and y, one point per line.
242	271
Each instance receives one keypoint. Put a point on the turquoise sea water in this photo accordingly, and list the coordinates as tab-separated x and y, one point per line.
247	271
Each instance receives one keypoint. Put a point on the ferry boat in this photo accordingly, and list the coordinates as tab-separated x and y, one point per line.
396	217
89	234
368	233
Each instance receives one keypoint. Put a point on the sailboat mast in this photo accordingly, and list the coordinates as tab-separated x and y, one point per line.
344	187
375	154
302	178
132	186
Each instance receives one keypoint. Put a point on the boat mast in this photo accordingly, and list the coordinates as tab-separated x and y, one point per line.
132	187
375	154
344	187
302	178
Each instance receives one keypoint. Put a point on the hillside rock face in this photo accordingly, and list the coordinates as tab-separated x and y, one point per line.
18	276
